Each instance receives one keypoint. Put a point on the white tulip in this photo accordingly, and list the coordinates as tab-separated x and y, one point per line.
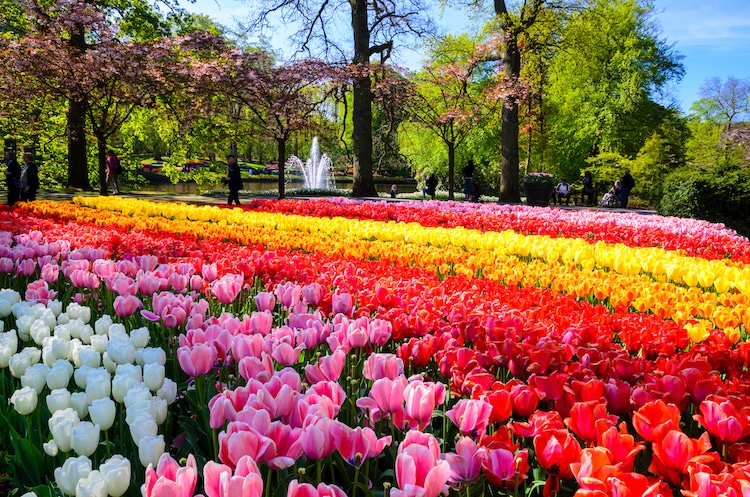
140	337
23	325
151	354
81	376
55	306
153	376
94	485
143	426
121	385
120	351
48	317
58	400
80	403
85	333
117	471
118	330
98	387
77	311
63	318
108	363
22	360
159	410
102	412
75	326
50	448
8	347
39	331
59	375
72	470
150	450
24	400
101	326
138	392
133	370
89	357
36	377
55	348
62	330
99	343
168	391
85	438
61	426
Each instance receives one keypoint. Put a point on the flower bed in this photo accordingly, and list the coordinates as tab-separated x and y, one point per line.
270	353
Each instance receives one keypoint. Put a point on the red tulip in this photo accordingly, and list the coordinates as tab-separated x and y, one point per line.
655	419
555	451
594	470
722	419
622	447
676	452
584	416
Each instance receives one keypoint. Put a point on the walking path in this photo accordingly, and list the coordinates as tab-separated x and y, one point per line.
221	200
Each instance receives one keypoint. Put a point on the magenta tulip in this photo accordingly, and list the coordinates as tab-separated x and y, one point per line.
297	489
196	360
169	479
127	305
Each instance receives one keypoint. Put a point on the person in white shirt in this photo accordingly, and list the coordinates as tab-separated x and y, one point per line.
562	190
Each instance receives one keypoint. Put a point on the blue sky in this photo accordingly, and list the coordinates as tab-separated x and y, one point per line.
713	36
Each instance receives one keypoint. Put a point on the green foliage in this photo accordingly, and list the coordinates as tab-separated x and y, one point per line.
719	194
606	168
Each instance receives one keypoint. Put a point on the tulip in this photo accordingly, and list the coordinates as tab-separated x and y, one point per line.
227	288
342	303
675	453
150	450
85	438
168	391
8	347
79	403
102	412
143	426
50	448
93	485
357	444
170	479
22	360
116	470
24	400
73	470
584	416
196	360
297	489
471	416
329	367
61	425
466	462
556	450
120	349
58	400
265	301
140	337
383	366
153	376
502	467
98	387
419	472
317	443
722	419
421	399
655	419
35	377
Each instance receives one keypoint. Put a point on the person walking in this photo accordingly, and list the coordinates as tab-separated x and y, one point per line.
432	183
29	178
627	183
233	180
468	173
113	171
12	177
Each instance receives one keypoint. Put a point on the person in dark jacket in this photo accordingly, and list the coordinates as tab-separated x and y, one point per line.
468	173
588	189
29	178
233	180
627	183
432	183
12	177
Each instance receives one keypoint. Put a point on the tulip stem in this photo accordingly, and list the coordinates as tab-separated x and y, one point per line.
318	471
268	482
356	480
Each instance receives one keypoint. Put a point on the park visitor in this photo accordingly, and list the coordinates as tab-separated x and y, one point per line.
627	183
588	188
468	173
12	177
562	190
113	171
233	180
29	178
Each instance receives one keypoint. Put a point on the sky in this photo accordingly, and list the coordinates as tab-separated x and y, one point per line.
713	36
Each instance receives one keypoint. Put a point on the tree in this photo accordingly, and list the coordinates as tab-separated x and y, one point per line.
724	101
449	98
280	99
375	24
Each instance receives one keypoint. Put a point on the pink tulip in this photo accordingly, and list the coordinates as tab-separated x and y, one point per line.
103	268
379	366
297	489
84	279
419	472
239	439
178	282
265	301
253	367
196	283
389	394
331	390
6	265
722	419
329	367
261	322
421	399
196	360
471	415
209	272
227	288
173	316
467	461
287	446
148	284
26	267
246	482
357	444
288	294
285	354
128	268
148	262
50	273
342	303
380	332
316	439
126	306
221	409
38	291
170	479
313	293
121	284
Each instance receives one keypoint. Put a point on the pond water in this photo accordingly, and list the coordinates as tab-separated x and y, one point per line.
263	186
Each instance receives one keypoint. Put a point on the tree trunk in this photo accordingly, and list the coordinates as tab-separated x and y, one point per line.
451	169
364	183
78	168
511	59
101	146
281	147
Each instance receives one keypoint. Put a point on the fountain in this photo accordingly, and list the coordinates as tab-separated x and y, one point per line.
317	170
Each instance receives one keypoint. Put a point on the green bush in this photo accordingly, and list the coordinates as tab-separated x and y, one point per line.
715	194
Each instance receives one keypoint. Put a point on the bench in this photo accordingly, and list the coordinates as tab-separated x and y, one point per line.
579	198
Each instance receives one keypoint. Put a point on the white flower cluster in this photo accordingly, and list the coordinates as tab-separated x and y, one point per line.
108	366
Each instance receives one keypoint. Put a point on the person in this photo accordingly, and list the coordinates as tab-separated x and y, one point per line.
627	183
29	179
233	180
563	192
12	177
468	173
611	198
113	171
393	191
432	183
588	189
